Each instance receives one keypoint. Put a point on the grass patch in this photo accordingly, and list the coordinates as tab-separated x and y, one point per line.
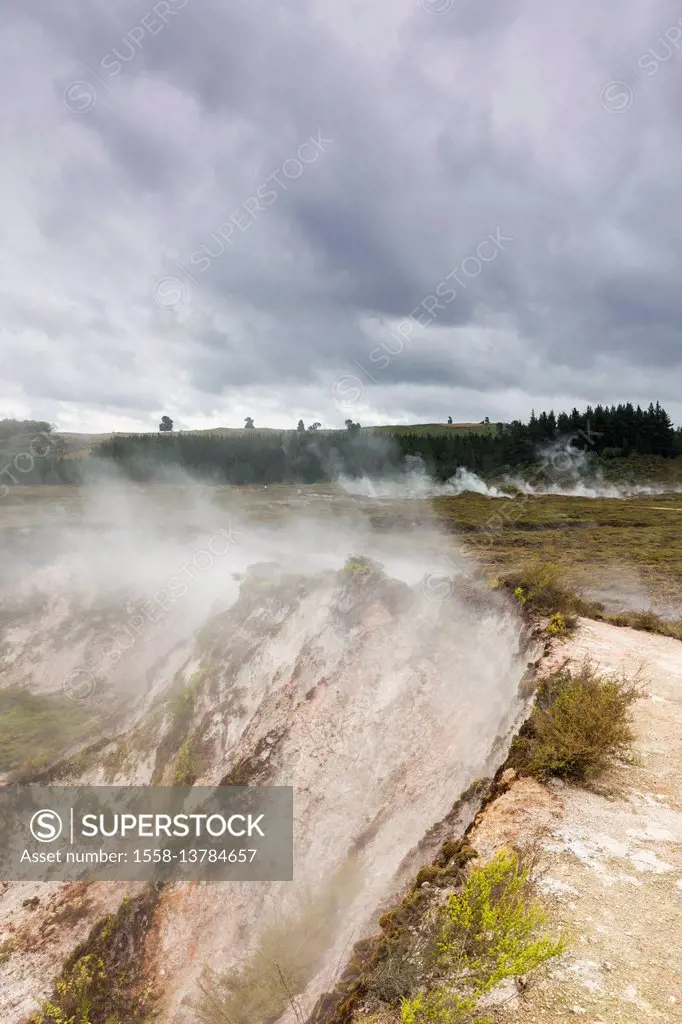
592	541
36	729
176	741
187	766
538	589
492	929
580	726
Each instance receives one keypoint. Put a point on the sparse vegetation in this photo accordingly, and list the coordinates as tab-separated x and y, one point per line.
69	913
580	726
538	590
605	544
187	765
103	980
74	995
183	700
177	740
648	621
409	955
283	961
7	947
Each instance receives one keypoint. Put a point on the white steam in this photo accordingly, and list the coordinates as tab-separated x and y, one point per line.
562	470
569	471
379	702
415	482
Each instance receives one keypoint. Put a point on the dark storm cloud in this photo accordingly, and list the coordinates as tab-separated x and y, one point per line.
138	134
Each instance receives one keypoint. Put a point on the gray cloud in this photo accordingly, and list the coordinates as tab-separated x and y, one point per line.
133	134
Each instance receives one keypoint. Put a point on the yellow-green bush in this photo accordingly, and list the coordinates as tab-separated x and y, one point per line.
357	566
559	625
74	994
441	1006
492	929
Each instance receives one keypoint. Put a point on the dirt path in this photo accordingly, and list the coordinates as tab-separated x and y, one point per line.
612	865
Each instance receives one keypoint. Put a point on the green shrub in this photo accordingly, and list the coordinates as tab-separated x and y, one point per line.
74	994
492	929
441	1006
581	725
183	700
359	567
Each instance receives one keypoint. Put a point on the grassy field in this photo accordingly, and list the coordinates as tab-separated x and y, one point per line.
615	548
618	547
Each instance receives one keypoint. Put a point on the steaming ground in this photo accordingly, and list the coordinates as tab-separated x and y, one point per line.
379	693
380	706
416	483
564	471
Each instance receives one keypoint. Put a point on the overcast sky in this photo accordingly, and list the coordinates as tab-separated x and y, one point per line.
221	208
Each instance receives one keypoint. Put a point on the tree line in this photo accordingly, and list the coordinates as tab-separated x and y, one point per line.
312	456
298	456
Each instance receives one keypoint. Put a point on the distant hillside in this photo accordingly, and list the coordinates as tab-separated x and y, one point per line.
82	440
434	428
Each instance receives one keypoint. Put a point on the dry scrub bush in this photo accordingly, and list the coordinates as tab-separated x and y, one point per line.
538	588
649	621
397	974
580	726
